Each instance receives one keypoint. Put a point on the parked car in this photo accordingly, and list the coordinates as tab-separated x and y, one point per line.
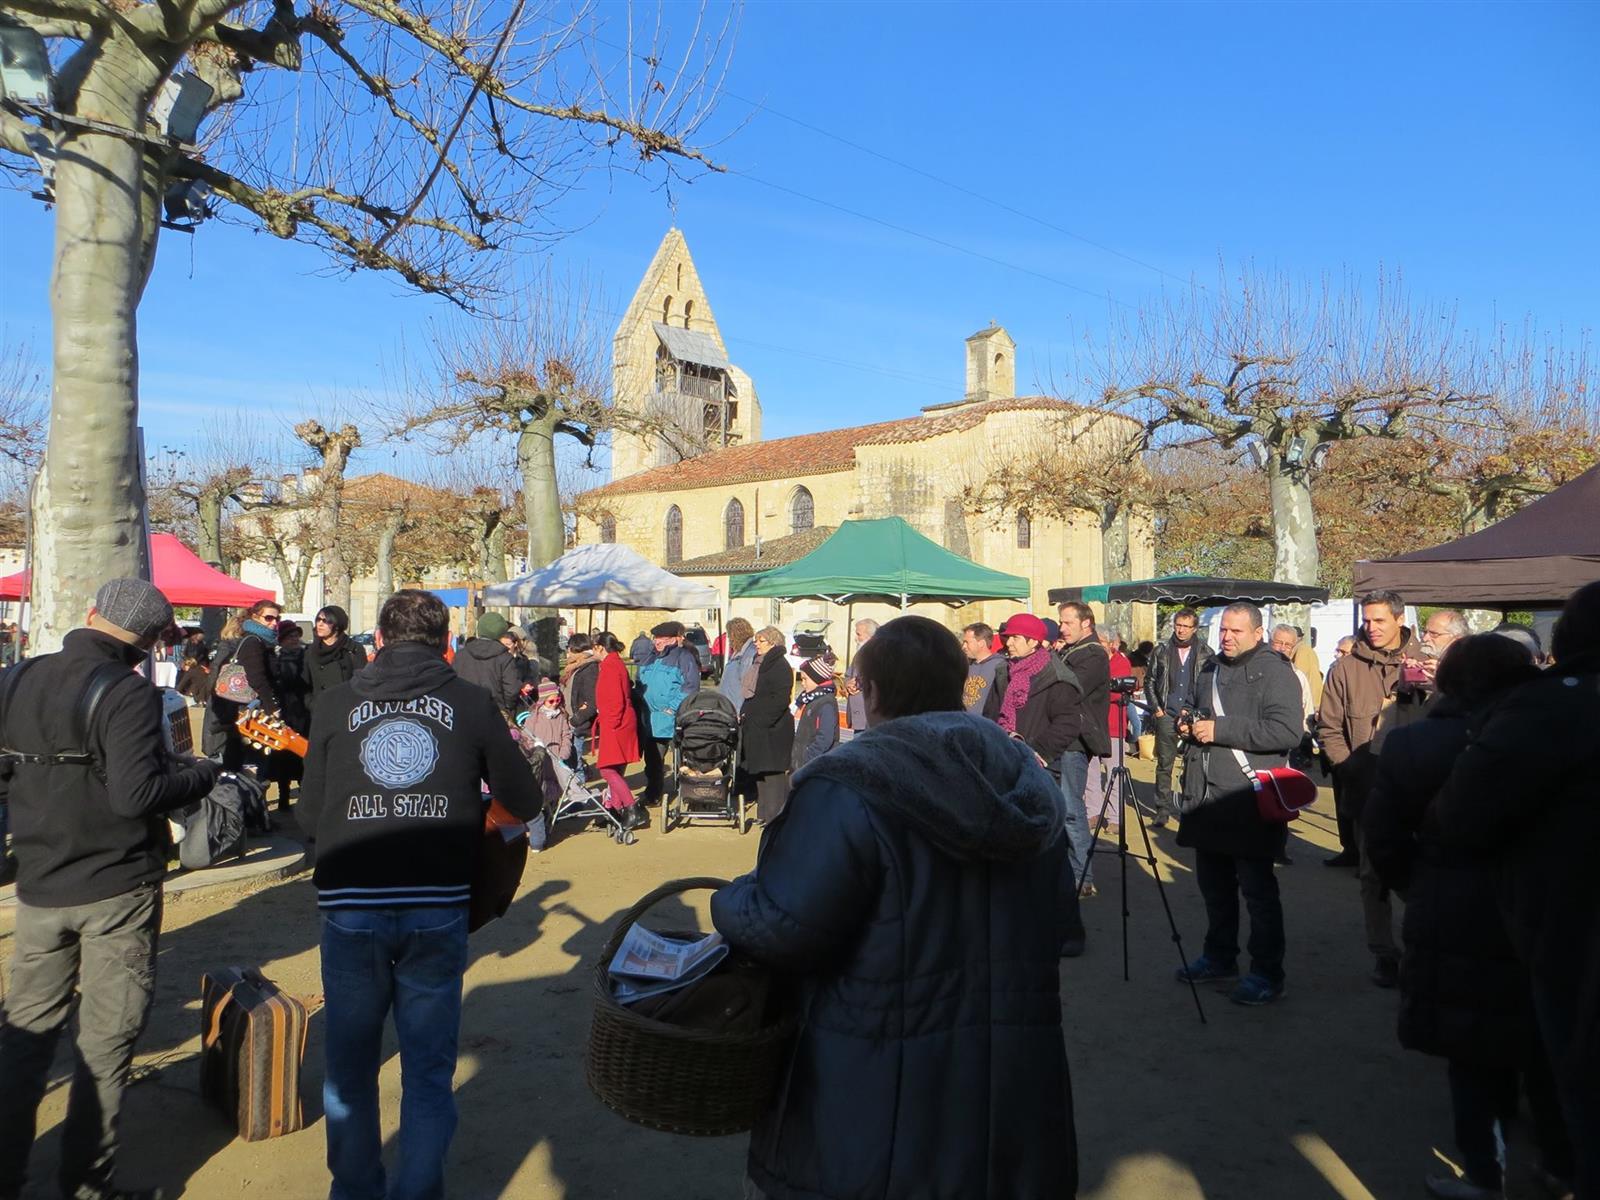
696	638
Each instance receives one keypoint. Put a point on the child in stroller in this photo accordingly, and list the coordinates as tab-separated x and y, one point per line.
567	793
706	750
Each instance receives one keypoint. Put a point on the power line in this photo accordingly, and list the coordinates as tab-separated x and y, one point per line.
952	185
930	238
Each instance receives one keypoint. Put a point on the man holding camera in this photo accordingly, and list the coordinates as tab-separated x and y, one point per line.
1370	691
1083	764
1246	712
1168	690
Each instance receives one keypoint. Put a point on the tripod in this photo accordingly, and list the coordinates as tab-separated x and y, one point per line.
1121	781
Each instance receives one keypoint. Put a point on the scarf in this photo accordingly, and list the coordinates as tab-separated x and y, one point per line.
325	654
810	694
265	633
1022	672
747	685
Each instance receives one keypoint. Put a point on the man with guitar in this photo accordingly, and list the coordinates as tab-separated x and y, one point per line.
89	781
392	798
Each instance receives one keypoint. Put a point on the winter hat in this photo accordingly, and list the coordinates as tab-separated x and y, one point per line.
134	605
818	670
1052	631
1024	625
492	626
548	688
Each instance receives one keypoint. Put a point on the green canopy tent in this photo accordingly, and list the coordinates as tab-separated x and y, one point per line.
883	561
1199	591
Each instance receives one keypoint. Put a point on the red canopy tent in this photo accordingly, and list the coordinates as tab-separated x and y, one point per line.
180	575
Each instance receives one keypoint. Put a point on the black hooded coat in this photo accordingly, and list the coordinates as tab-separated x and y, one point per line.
912	884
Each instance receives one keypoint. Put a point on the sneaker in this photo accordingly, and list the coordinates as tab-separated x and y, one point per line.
1345	858
1255	990
1206	970
1459	1187
1386	973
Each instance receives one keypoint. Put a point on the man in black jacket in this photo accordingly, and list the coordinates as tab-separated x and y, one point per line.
89	783
1249	712
1168	690
1084	763
1524	792
485	661
392	798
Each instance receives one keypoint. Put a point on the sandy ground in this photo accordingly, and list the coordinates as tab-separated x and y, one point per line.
1311	1097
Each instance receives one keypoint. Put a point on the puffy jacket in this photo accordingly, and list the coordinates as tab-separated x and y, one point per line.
1164	666
1524	790
766	738
903	888
1263	717
487	663
816	728
1463	994
83	833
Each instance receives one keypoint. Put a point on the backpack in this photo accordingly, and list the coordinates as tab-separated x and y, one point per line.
101	680
215	832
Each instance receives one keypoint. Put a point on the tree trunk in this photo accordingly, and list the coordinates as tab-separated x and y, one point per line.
335	447
541	512
1116	563
88	509
1294	536
494	554
292	579
208	513
387	533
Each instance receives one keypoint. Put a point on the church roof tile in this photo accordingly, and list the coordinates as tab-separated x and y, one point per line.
814	453
775	552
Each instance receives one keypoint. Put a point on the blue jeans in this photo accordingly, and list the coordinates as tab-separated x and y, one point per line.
1080	835
411	959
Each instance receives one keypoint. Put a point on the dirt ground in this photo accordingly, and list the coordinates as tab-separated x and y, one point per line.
1311	1097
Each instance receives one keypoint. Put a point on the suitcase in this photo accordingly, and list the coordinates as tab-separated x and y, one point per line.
252	1038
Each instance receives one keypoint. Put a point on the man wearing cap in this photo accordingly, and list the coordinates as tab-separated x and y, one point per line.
668	638
89	782
485	661
668	652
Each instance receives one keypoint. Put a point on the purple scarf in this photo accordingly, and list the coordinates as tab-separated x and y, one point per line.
1022	672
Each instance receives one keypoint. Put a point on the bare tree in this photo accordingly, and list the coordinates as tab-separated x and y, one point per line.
334	448
22	406
431	135
231	462
283	534
1282	369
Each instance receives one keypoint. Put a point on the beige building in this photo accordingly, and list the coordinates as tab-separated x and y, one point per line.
747	504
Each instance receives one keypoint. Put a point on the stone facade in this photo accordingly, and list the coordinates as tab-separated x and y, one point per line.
922	468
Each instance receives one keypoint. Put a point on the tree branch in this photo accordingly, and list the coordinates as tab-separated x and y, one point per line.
14	133
87	12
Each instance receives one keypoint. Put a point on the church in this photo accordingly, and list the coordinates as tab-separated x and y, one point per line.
697	489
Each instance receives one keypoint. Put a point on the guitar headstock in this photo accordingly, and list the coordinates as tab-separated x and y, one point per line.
269	734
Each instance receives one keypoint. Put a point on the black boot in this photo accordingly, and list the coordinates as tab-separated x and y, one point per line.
635	817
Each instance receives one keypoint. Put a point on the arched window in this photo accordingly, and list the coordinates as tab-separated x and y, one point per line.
733	526
802	511
998	359
608	529
1024	532
688	312
666	311
674	535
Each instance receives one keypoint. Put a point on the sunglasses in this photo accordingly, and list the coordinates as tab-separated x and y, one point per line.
273	620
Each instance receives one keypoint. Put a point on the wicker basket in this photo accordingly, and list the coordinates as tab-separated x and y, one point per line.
668	1077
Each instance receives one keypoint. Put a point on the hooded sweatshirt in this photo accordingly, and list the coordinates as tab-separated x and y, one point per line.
911	891
392	793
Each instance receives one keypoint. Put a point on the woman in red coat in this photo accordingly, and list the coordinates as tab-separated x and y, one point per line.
616	729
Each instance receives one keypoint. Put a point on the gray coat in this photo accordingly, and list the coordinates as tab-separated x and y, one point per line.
911	886
1264	718
739	665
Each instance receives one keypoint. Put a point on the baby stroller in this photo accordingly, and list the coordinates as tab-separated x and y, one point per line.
567	793
705	756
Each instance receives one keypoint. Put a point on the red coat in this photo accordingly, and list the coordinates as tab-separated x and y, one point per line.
1117	717
615	724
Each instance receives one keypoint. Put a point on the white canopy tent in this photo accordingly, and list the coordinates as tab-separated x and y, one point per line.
603	576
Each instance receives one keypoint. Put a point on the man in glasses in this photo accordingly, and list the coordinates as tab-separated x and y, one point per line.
1168	690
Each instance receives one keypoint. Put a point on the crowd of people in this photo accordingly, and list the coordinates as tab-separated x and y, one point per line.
920	814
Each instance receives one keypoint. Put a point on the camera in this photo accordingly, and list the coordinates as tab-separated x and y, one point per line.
1126	685
1187	717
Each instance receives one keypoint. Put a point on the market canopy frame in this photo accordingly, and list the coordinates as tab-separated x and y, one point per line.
1536	557
882	560
1196	591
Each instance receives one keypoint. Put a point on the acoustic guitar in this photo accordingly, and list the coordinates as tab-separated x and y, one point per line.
269	733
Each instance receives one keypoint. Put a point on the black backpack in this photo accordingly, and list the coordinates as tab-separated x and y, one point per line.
216	831
101	680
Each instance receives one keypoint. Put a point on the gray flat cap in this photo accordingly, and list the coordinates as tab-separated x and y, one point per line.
134	605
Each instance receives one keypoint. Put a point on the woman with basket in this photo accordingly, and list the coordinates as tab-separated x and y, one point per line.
911	886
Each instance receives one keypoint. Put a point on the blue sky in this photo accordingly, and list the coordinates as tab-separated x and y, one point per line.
1455	143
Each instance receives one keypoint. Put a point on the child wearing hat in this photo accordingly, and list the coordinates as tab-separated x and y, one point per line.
816	729
549	724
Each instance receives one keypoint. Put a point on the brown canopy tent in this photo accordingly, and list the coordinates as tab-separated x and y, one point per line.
1536	557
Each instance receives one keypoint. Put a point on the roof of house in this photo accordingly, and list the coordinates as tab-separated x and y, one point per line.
816	453
380	488
775	552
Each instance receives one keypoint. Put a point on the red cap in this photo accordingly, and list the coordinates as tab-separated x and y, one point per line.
1025	625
